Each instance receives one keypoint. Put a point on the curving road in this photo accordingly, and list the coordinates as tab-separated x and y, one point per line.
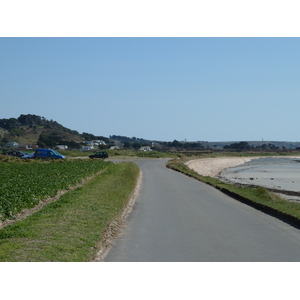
179	219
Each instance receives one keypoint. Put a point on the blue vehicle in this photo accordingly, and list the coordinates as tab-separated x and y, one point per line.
47	153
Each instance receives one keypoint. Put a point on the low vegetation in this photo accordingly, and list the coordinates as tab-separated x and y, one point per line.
70	228
140	154
121	153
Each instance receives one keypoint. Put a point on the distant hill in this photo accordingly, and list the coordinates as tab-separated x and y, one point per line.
36	130
265	145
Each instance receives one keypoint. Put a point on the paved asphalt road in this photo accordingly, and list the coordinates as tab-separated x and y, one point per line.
179	219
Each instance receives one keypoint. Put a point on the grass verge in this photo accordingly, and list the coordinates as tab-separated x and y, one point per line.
69	229
121	153
259	198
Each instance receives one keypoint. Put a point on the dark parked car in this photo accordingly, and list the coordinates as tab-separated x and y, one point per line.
17	153
99	154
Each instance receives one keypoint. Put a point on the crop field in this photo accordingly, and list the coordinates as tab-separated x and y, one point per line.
23	185
73	228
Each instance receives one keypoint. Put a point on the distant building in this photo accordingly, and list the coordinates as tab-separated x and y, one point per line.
114	148
99	142
95	143
87	148
27	147
12	144
61	147
145	149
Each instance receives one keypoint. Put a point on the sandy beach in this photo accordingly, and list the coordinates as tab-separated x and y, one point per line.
279	174
213	166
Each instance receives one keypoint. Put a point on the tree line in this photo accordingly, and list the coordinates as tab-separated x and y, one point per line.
245	146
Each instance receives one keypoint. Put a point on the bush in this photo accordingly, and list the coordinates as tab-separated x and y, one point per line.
262	192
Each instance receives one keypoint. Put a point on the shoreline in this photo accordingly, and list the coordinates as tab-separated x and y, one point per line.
278	178
214	166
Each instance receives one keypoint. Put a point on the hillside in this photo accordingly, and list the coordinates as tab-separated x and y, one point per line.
35	130
31	135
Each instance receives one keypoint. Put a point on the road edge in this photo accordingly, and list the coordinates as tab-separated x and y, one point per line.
115	228
287	218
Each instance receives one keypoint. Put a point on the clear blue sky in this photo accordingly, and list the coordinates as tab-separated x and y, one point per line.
198	89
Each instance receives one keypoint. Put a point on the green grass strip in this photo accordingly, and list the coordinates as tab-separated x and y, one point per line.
260	197
69	229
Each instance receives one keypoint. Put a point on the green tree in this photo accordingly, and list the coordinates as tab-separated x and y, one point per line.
127	145
136	146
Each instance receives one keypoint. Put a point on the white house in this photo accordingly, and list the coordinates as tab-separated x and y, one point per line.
145	149
61	147
99	142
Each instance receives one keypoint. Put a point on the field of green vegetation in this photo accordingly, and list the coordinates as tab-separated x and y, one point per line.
23	185
70	228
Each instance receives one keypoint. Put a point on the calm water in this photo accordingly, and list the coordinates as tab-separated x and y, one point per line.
278	173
